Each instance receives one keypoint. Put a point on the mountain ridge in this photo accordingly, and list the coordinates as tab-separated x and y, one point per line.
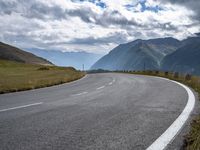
75	59
185	59
8	52
141	51
166	54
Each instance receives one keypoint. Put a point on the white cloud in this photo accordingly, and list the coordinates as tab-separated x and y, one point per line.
84	26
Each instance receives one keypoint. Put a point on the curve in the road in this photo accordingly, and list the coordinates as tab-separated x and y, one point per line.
162	142
101	111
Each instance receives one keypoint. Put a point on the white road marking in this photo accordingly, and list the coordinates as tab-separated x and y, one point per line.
168	136
18	107
113	80
110	83
100	87
80	94
77	80
164	78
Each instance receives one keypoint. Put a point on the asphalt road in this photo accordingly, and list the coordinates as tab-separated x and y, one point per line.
101	111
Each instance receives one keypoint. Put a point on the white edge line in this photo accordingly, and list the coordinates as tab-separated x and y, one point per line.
76	80
100	87
168	136
110	83
80	94
71	82
18	107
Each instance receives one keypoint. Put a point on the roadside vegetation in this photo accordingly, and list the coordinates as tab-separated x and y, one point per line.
192	139
15	76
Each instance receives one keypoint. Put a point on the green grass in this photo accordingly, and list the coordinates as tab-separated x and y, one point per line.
192	139
16	76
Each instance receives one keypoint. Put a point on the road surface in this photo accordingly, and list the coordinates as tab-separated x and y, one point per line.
101	111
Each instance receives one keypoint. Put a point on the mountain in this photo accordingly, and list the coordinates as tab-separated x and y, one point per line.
138	55
75	59
186	59
8	52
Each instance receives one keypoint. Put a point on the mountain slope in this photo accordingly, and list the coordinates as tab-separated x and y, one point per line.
75	59
8	52
138	55
186	59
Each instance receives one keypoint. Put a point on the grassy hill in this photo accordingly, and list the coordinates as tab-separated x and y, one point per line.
15	76
8	52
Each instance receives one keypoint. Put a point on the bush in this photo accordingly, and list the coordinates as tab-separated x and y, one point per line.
188	77
71	68
176	75
166	73
43	68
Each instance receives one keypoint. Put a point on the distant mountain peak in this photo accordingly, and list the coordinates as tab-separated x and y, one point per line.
141	44
74	59
133	55
186	58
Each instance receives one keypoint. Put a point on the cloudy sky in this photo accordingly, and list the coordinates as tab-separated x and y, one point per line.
94	25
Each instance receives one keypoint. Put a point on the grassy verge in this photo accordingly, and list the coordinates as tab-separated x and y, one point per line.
18	76
192	139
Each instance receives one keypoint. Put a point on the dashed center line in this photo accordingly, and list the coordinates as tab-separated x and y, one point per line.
100	87
110	83
80	94
18	107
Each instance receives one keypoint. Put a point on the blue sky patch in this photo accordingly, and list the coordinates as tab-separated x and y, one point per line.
144	7
147	8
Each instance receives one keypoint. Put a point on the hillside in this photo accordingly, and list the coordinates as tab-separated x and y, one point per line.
185	59
138	55
15	76
75	59
8	52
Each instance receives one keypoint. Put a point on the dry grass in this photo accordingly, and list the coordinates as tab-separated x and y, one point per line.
18	76
192	141
192	81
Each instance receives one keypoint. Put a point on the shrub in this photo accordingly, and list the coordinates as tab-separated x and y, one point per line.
176	75
166	73
43	68
188	77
